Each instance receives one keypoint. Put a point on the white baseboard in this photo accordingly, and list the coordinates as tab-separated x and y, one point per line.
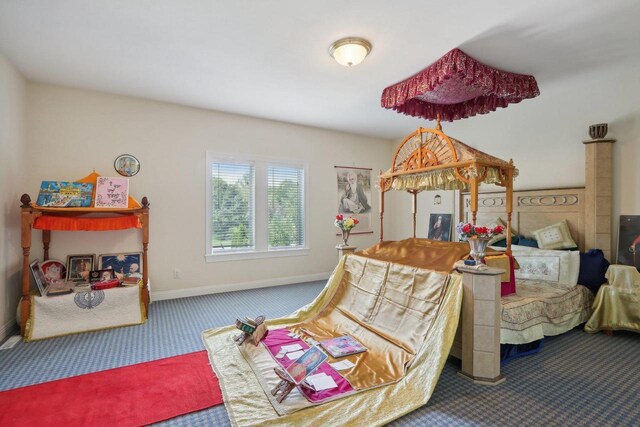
206	290
7	329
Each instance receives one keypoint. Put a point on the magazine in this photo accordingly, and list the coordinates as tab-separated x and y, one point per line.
342	346
304	365
63	194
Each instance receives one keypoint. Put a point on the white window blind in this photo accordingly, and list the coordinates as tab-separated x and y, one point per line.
232	206
286	216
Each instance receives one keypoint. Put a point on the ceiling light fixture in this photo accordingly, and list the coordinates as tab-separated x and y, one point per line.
350	51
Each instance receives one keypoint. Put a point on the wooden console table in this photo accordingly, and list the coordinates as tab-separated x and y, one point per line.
32	215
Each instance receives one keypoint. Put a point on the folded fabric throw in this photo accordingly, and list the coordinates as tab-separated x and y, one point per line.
406	317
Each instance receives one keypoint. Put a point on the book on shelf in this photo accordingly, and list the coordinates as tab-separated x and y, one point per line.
341	346
64	194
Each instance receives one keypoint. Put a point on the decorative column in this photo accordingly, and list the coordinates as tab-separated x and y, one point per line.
480	321
599	190
345	250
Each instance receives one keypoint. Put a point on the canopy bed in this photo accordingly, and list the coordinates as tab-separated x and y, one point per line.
402	300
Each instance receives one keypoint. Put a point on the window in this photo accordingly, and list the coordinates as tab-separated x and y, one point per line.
232	219
255	208
286	207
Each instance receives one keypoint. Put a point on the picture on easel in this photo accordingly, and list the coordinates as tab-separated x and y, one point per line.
629	241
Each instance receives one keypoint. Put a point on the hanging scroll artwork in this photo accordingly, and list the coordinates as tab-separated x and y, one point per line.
354	196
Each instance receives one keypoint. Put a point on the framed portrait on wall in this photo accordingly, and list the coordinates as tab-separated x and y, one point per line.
354	196
440	227
629	240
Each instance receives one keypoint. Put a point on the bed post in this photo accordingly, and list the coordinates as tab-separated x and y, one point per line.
473	184
509	201
381	213
414	194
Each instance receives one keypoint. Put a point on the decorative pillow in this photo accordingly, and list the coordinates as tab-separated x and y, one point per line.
503	243
560	267
524	241
593	266
556	236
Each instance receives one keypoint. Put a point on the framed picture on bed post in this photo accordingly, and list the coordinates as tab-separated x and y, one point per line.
440	227
354	196
629	240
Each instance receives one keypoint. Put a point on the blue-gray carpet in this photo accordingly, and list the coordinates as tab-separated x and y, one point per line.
577	379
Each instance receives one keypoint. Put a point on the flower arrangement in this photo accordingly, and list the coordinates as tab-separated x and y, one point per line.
345	224
468	231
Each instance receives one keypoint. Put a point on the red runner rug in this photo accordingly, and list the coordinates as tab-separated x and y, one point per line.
129	396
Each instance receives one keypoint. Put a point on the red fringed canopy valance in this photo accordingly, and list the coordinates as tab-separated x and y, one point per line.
457	86
62	223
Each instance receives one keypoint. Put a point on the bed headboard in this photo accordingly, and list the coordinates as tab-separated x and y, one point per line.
532	210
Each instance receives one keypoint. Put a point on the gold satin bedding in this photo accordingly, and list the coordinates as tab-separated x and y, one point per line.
422	253
407	318
387	307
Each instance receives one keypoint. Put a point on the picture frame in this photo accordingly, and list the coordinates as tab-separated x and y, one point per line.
126	165
354	196
55	271
124	265
79	267
629	241
440	226
101	275
112	192
38	276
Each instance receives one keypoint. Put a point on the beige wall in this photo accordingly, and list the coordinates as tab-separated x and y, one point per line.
12	175
544	138
72	132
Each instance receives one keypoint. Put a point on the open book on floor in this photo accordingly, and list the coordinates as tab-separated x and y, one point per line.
344	345
304	365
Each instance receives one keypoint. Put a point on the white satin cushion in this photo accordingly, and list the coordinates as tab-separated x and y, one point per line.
559	267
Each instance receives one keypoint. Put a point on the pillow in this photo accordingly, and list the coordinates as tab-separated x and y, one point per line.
555	236
503	243
524	241
559	267
593	266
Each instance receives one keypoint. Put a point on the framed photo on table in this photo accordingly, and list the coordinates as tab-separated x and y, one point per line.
38	276
79	267
125	266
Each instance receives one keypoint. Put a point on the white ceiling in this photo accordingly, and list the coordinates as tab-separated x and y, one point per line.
270	59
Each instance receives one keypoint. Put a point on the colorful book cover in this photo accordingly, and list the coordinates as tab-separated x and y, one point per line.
306	364
112	192
63	194
342	346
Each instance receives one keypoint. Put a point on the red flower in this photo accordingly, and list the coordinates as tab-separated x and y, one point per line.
497	229
466	228
339	217
482	230
355	221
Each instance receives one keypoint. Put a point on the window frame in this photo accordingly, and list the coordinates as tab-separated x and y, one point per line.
260	209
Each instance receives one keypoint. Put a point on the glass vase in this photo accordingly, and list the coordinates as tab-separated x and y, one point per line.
478	247
345	237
